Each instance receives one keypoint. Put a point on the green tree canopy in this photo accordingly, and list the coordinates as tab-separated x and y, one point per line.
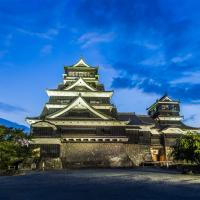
188	148
14	146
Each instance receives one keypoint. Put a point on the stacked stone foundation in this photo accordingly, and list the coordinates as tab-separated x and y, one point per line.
97	155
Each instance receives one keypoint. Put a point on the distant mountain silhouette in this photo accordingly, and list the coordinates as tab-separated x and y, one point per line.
11	124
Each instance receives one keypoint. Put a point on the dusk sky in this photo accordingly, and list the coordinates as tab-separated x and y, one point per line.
144	48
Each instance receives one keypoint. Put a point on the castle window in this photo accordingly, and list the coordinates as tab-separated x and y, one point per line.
80	74
176	108
94	102
165	107
64	101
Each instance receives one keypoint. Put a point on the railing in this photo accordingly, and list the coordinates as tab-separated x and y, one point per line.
168	110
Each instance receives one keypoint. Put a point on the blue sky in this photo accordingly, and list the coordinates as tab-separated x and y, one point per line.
144	49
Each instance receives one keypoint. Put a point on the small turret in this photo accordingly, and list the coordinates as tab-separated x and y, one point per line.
165	109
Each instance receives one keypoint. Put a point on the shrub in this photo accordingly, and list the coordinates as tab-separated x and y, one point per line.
14	147
187	148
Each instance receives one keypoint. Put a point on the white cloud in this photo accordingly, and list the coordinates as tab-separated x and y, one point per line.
147	44
179	59
156	60
92	38
191	113
49	34
126	100
133	100
107	75
189	77
47	49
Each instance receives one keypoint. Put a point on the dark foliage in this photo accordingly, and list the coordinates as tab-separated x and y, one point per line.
14	147
187	148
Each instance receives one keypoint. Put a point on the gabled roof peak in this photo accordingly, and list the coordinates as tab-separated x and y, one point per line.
81	63
78	103
165	98
80	82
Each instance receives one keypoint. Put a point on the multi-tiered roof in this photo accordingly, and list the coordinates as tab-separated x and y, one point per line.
80	96
80	100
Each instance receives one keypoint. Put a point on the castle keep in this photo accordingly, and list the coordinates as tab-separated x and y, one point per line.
80	127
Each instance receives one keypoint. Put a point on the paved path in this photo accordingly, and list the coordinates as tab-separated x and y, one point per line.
145	183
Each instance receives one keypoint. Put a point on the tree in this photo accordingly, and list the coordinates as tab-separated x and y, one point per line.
14	146
187	148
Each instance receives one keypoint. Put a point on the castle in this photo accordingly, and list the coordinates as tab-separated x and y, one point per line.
80	127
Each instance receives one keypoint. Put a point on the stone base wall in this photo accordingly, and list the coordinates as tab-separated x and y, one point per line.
82	155
138	153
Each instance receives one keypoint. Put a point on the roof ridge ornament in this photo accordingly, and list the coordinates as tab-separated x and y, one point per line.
81	63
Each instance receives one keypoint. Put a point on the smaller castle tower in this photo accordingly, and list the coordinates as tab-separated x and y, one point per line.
165	111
